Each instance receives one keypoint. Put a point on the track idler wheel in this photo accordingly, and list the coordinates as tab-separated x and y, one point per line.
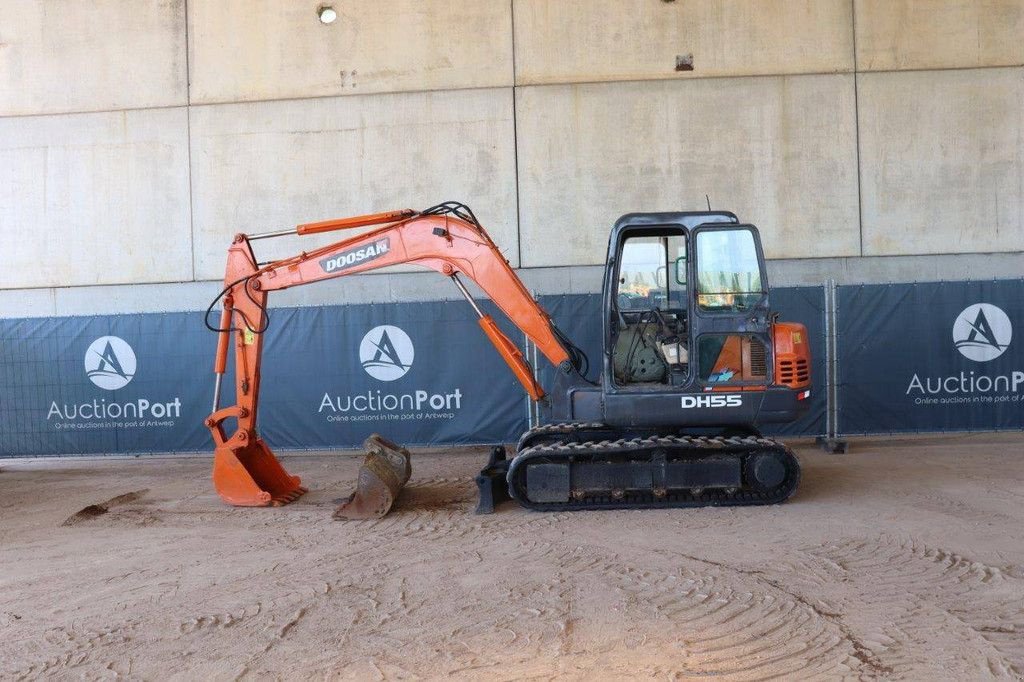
385	470
766	471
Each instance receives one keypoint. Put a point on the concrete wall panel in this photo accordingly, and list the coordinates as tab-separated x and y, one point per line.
942	161
564	41
244	50
95	198
273	165
91	55
780	152
926	34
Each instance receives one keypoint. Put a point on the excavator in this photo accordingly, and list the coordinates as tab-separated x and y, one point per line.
694	361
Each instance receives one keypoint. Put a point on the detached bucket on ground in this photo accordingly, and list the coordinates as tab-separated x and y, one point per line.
385	470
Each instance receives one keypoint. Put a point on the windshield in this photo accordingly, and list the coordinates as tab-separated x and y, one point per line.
653	273
728	271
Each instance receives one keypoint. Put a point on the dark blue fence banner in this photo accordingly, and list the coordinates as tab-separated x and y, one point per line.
419	373
942	356
579	317
116	384
910	358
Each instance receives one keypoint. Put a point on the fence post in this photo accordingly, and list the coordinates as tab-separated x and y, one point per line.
830	442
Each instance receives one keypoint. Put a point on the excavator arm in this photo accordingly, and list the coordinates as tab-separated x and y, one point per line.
447	239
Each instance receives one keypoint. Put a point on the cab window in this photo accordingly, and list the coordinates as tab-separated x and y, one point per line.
728	271
653	273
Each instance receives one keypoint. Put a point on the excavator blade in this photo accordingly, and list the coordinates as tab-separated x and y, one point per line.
385	470
251	476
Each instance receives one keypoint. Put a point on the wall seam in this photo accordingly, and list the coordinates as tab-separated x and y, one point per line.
812	259
194	297
653	79
515	140
856	129
807	259
188	135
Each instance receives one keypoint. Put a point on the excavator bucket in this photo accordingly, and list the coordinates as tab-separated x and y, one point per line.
251	476
385	470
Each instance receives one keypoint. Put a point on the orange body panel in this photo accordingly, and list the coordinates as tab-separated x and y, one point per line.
792	355
735	354
731	357
245	470
445	244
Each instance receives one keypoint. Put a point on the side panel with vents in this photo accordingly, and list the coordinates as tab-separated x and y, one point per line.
792	355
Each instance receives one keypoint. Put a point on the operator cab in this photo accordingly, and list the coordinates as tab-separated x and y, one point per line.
687	296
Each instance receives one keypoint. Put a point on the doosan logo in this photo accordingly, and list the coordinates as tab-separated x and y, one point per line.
110	362
348	259
982	332
386	353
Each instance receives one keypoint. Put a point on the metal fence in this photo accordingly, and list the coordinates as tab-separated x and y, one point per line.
888	358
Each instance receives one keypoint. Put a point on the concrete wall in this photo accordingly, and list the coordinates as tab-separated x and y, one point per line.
343	156
91	55
243	50
869	139
948	34
942	161
776	150
575	41
98	198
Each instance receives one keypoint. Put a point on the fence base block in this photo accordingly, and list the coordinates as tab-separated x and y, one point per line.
832	446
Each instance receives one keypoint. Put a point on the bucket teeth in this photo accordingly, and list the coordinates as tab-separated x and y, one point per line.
289	497
384	471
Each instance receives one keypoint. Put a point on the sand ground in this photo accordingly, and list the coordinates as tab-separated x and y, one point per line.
902	559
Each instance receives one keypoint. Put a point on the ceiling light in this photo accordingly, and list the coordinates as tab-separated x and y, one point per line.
327	14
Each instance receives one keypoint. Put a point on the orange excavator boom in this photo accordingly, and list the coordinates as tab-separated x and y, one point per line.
445	239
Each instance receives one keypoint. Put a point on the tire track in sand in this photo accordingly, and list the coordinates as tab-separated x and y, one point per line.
721	621
443	509
920	595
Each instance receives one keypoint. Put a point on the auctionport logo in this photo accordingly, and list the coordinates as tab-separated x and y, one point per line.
110	363
982	332
386	353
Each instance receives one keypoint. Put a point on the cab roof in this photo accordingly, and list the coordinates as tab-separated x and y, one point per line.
686	219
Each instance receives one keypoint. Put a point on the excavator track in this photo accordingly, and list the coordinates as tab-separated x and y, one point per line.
573	432
658	471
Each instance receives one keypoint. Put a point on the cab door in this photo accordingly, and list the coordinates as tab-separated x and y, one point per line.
730	323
